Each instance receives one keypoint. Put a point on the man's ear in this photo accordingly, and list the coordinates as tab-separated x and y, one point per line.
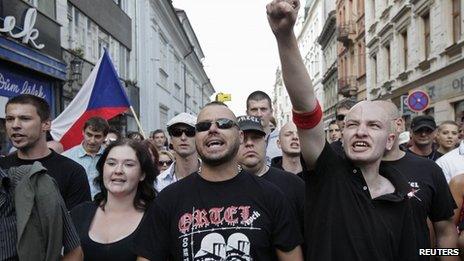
241	136
278	143
46	125
390	141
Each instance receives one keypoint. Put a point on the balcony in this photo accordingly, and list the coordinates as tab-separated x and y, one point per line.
346	33
347	86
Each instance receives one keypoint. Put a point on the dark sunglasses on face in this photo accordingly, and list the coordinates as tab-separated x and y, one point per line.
167	162
340	117
222	124
177	132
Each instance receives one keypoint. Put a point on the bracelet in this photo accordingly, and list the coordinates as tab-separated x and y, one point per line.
308	120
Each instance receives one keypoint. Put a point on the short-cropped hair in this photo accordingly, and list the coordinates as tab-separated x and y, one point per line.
41	105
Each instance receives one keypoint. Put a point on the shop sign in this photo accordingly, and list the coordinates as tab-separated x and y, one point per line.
13	84
446	87
28	34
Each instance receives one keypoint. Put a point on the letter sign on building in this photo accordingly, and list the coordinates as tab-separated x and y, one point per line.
29	34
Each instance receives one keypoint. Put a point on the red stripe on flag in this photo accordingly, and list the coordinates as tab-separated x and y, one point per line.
74	135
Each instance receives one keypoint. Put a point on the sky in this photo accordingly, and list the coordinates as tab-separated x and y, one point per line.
240	49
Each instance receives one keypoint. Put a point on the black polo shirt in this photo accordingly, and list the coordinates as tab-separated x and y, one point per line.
343	222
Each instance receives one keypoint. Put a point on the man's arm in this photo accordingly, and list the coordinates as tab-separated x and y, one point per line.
446	236
282	15
74	255
293	255
139	258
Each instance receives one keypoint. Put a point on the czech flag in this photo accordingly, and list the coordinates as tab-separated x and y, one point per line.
101	95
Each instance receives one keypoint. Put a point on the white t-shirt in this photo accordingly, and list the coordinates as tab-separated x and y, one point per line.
452	163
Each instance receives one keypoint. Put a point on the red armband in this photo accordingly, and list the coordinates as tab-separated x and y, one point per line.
308	120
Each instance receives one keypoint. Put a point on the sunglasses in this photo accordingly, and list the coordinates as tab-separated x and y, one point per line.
177	132
340	117
161	163
222	124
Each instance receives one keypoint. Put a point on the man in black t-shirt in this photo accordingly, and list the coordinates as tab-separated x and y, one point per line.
423	132
354	210
252	158
219	212
27	121
430	195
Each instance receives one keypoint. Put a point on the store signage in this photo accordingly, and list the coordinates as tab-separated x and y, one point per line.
13	84
29	34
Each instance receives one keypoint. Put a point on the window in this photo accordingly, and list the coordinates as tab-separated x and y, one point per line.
163	78
426	21
177	91
163	52
456	20
404	38
388	59
362	60
122	62
373	11
374	66
163	116
360	7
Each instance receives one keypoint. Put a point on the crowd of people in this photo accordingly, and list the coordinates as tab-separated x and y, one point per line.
364	186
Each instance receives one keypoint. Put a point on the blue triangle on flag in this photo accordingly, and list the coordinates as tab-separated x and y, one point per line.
107	90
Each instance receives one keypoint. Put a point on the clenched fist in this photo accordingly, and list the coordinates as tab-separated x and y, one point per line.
282	15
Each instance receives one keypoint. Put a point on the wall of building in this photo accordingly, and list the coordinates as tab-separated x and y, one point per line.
399	61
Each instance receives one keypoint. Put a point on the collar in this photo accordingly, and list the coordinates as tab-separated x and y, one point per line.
168	173
82	153
398	180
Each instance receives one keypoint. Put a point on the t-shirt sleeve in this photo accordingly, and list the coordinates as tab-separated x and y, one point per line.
78	189
325	162
70	235
153	237
443	204
286	234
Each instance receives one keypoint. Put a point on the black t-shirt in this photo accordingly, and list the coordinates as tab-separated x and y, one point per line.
293	188
276	162
69	175
120	250
434	155
430	194
343	222
337	146
238	219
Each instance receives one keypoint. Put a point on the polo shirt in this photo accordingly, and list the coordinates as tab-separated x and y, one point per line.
88	162
343	222
452	163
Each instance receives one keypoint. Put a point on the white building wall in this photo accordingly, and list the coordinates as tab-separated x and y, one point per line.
390	21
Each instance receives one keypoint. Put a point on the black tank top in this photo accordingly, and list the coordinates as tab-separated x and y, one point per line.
121	250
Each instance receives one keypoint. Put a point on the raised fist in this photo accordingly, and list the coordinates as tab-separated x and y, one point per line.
282	15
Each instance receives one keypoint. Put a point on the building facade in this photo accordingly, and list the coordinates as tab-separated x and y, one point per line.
328	42
169	65
87	28
351	49
308	28
417	45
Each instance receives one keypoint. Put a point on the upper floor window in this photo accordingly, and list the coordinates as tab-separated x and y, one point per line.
426	22
456	14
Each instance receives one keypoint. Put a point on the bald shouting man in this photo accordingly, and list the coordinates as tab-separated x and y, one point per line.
363	212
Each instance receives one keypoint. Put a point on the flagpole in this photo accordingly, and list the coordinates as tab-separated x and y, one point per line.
138	122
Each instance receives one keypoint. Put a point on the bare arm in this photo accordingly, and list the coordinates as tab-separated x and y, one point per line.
293	255
139	258
446	236
282	15
74	255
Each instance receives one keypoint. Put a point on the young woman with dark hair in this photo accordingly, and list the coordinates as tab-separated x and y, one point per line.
107	226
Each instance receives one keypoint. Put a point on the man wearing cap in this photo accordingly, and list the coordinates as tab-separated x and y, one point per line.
252	158
422	135
181	128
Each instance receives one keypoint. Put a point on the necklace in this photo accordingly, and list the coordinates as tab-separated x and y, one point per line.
239	169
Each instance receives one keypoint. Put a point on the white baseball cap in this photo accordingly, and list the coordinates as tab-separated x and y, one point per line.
184	118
